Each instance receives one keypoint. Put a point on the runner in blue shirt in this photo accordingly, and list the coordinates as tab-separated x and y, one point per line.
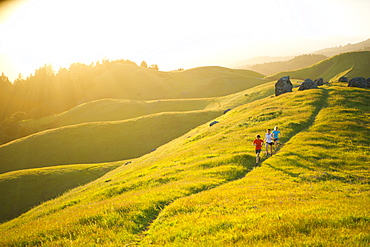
276	133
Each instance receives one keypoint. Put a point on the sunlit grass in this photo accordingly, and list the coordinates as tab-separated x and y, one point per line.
202	189
24	189
108	130
314	192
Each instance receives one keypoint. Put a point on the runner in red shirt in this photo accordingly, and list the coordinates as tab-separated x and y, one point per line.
258	144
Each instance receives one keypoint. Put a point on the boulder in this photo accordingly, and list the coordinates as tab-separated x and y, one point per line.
226	111
307	84
283	85
358	82
319	82
343	79
213	123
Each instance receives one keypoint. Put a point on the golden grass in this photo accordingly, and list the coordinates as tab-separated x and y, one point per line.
202	188
314	192
99	142
101	110
108	129
118	208
24	189
134	82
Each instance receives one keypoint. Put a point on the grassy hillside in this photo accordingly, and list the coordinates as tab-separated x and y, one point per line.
158	198
99	142
111	110
314	192
351	65
47	93
109	140
123	109
105	110
133	82
22	190
45	96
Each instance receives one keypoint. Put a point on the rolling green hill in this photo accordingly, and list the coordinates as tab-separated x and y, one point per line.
85	141
201	189
47	93
99	142
104	110
352	64
44	96
111	110
24	189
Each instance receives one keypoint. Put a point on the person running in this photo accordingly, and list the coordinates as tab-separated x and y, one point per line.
258	144
276	133
269	142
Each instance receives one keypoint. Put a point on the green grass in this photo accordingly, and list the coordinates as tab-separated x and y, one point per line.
24	189
99	142
120	207
202	189
111	139
314	192
352	64
28	188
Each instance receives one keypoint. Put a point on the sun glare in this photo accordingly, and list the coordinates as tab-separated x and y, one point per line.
63	32
171	33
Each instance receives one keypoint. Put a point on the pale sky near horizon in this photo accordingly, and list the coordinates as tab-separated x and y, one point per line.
172	34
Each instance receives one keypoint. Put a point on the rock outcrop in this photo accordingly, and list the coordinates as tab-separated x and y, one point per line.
213	123
307	84
283	85
319	82
343	79
360	82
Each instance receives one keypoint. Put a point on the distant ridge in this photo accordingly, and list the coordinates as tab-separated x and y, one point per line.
270	65
351	64
297	62
244	64
361	46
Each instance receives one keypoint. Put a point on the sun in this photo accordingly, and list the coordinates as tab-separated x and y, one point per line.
64	32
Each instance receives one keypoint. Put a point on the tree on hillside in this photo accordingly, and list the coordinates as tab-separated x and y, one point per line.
144	64
154	66
46	92
6	88
19	78
10	128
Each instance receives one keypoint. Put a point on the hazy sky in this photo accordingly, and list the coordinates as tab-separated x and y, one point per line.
173	34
